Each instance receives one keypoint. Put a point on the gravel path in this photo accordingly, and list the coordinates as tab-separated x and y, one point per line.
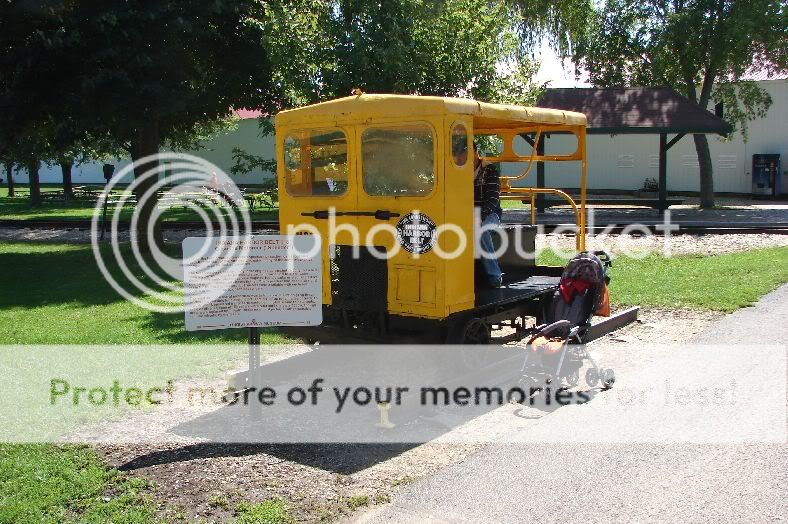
676	245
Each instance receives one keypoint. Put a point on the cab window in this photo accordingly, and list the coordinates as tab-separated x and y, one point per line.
459	144
316	163
398	161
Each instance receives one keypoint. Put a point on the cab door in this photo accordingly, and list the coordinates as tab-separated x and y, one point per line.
400	208
317	188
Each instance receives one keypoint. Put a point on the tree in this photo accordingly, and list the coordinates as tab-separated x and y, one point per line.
448	48
9	169
24	135
10	164
71	147
322	50
701	48
559	23
26	149
145	73
67	151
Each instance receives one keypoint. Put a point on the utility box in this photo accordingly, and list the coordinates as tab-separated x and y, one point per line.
766	175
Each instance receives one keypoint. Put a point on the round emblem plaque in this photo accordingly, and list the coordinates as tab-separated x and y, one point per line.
416	232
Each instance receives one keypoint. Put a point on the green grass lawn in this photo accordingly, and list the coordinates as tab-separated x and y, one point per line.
722	283
513	204
49	484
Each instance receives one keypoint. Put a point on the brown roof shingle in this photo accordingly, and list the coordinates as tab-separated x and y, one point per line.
635	110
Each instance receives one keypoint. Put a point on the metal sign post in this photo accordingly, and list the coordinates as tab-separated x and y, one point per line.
254	365
108	169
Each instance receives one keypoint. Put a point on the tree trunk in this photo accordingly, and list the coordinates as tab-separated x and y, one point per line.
35	184
145	144
68	189
706	171
10	169
702	144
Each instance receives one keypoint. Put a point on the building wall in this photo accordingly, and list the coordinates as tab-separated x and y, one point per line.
218	151
617	162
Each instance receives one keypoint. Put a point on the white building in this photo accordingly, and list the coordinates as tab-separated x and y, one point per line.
620	162
218	150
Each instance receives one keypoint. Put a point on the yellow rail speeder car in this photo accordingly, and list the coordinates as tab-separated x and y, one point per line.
374	176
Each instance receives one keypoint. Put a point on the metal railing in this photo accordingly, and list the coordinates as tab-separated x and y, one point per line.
517	193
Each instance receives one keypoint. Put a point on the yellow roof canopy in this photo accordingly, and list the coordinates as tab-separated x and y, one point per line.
367	107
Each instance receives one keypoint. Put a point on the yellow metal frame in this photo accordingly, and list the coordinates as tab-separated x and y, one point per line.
508	192
425	285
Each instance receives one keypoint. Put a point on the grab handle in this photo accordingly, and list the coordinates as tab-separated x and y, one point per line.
323	213
380	214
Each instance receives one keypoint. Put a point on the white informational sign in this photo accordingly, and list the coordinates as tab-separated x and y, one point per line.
253	281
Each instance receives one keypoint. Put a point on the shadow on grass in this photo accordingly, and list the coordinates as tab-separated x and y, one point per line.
169	328
41	276
46	275
53	277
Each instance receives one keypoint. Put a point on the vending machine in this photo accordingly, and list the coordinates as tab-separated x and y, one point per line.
766	175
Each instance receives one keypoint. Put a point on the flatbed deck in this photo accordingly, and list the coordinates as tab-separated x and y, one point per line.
520	295
516	288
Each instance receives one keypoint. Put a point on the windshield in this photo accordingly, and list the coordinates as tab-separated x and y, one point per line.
398	161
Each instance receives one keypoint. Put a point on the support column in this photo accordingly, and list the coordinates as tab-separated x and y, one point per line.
540	169
581	235
663	172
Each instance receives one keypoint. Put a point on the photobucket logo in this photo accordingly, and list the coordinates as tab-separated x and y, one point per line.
185	184
415	234
419	235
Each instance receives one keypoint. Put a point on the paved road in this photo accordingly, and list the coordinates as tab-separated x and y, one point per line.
631	482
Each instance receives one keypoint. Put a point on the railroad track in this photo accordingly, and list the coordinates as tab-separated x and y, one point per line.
691	229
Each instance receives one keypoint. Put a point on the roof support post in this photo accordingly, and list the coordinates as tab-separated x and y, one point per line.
540	171
663	172
664	146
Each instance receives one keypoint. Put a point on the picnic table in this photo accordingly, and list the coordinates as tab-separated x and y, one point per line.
77	193
263	198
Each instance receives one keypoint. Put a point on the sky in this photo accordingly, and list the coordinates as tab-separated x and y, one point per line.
553	71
